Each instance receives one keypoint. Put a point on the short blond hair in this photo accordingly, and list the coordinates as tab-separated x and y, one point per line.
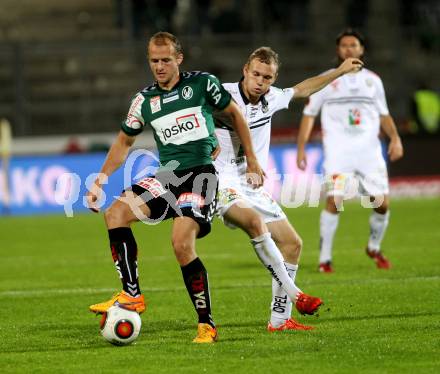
166	38
266	55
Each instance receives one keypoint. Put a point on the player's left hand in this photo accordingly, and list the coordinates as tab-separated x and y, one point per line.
254	173
351	65
395	149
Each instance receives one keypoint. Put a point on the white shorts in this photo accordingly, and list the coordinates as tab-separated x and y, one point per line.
231	191
356	175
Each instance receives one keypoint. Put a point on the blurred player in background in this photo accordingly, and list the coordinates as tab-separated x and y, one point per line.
353	109
275	241
178	108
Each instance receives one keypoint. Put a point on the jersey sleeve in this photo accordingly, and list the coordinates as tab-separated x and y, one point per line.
134	123
216	94
314	103
380	99
284	96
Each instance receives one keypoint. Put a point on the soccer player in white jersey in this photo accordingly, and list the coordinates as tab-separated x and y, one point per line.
353	109
275	241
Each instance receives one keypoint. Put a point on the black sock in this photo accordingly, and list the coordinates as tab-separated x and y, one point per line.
196	281
124	252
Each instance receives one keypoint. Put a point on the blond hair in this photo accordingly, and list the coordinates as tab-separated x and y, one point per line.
266	55
166	38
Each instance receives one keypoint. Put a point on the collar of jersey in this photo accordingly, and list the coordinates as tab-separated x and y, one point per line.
245	99
156	84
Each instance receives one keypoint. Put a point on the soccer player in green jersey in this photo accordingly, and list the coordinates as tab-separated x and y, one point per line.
178	107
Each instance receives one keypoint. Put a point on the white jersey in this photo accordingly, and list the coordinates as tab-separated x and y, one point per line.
351	107
259	117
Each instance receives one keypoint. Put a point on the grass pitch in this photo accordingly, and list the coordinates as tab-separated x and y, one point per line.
373	320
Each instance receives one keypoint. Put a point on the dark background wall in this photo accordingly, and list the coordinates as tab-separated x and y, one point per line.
71	67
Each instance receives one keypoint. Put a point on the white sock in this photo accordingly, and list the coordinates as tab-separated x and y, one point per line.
281	306
327	225
271	257
378	226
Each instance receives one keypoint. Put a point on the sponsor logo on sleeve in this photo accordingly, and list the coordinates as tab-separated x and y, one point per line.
214	90
134	112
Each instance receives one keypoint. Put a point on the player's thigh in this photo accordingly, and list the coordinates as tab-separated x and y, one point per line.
128	208
285	236
374	184
196	198
339	184
241	214
339	174
333	203
229	192
380	203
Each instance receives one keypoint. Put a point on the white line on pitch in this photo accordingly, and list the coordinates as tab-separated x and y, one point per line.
70	291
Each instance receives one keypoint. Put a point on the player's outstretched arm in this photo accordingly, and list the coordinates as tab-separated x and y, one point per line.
314	84
305	128
115	157
255	175
395	148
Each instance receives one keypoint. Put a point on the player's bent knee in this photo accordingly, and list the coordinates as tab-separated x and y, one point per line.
384	204
116	216
183	250
332	204
292	249
180	245
298	244
255	226
112	217
382	209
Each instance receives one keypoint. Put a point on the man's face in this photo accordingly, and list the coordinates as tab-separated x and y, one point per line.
258	77
164	63
349	46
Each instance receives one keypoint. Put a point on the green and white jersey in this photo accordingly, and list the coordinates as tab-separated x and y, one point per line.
181	118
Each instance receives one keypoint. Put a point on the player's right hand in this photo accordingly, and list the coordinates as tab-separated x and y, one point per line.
395	149
254	173
301	160
93	196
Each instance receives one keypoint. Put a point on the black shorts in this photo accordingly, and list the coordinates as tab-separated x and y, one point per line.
189	193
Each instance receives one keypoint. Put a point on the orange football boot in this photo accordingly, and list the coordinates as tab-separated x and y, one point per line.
205	334
123	300
290	324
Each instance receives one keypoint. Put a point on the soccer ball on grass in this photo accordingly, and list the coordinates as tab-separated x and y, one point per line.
120	326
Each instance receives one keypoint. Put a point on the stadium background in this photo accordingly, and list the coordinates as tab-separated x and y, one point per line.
69	69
